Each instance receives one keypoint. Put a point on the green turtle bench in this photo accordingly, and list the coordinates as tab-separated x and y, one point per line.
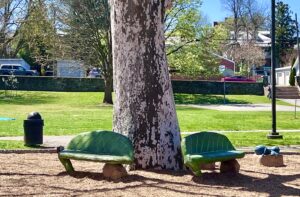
208	147
98	146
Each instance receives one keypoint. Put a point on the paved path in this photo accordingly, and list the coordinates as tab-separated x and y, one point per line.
49	141
55	141
245	107
291	101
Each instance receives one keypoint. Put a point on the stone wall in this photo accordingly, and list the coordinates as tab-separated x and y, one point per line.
97	85
56	84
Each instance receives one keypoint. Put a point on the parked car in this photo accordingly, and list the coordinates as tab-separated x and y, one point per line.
16	69
94	73
237	79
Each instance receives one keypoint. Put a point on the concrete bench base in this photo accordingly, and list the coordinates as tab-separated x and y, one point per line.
271	160
208	166
114	171
230	166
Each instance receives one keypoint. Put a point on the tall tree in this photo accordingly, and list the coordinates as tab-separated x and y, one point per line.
87	25
183	23
285	32
37	35
199	58
144	109
12	15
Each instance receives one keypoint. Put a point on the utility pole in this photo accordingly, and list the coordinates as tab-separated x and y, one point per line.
273	134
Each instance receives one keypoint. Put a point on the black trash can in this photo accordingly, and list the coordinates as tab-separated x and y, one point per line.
33	129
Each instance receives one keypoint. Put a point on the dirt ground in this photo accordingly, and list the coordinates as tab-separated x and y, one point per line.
43	175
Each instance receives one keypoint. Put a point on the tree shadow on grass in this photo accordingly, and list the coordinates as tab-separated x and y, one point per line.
205	99
27	99
273	184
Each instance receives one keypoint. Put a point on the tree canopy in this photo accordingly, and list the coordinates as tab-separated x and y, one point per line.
285	32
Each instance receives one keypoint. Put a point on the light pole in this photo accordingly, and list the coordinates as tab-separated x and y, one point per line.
273	134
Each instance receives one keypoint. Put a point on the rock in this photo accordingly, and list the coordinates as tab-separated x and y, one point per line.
271	160
208	166
230	166
114	171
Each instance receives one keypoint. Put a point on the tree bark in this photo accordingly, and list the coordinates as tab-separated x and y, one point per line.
144	108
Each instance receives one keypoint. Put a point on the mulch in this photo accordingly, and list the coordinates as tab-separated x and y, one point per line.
37	174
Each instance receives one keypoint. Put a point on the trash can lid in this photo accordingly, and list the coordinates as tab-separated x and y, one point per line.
34	116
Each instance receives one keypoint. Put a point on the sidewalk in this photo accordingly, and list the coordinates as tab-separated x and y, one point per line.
245	107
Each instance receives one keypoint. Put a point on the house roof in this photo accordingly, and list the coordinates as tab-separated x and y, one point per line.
262	39
219	56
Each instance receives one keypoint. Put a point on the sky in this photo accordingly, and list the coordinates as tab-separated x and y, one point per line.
214	11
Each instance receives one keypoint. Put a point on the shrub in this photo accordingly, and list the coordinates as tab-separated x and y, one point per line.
292	76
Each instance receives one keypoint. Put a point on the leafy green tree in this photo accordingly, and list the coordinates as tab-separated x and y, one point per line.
88	35
37	36
292	76
182	23
200	58
12	14
191	43
285	32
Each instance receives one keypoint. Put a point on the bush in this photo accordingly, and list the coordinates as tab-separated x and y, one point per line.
292	76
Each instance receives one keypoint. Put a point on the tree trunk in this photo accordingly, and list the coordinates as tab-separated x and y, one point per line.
108	89
144	108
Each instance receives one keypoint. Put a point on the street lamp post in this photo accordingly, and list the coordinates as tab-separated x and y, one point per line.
273	134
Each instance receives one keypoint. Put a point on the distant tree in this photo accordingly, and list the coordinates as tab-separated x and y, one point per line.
253	17
247	16
183	22
200	58
190	42
293	73
88	35
234	7
12	15
248	55
285	32
292	76
37	36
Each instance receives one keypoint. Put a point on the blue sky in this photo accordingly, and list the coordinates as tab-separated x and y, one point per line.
214	11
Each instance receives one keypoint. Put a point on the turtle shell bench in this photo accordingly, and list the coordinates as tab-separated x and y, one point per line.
98	146
209	147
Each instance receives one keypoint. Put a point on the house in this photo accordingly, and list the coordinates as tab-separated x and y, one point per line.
262	39
283	76
227	66
70	68
19	61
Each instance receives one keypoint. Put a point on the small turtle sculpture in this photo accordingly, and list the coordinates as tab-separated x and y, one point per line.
263	150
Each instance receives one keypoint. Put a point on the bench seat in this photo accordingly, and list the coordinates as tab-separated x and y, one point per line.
207	147
98	146
214	156
111	159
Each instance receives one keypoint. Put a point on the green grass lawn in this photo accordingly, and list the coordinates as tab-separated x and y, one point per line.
219	99
254	138
72	113
192	119
238	139
15	145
